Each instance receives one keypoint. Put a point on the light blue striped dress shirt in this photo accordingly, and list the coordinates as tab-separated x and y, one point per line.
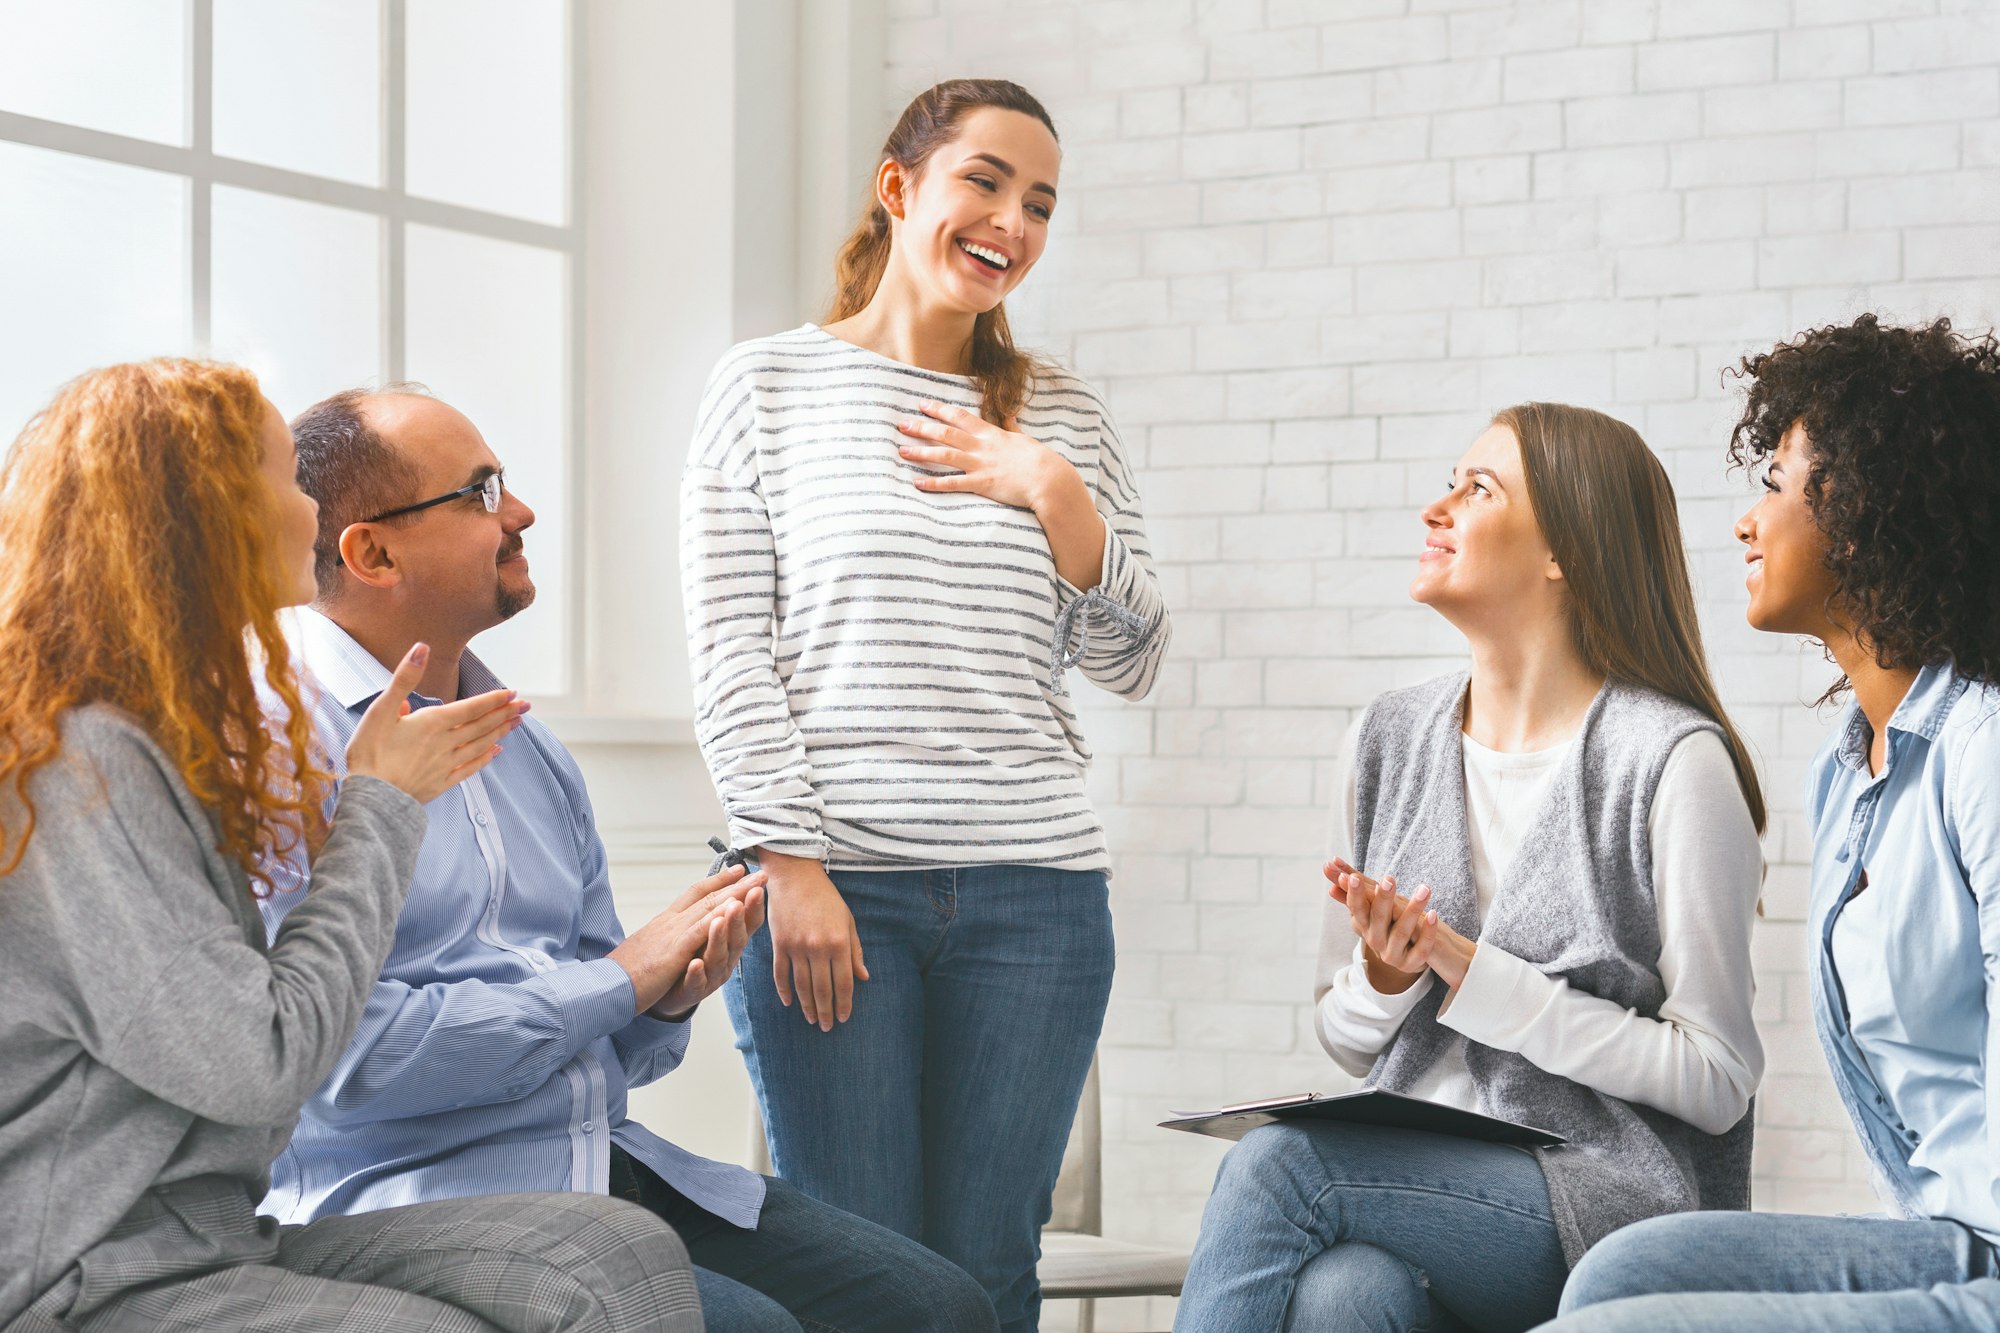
1905	926
497	1048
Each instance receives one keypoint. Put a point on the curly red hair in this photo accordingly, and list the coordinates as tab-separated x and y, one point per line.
140	571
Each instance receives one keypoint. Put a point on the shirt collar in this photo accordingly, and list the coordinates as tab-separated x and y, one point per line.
349	673
1921	713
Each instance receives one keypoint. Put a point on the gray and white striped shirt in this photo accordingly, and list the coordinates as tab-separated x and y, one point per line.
873	671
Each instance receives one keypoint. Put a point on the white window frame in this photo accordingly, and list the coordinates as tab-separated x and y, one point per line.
394	208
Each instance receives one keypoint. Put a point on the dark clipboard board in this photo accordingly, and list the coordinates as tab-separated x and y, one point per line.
1369	1106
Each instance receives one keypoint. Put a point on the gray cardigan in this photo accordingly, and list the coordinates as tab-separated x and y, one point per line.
1577	902
147	1034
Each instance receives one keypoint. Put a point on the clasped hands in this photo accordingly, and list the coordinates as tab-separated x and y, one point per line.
683	955
1401	937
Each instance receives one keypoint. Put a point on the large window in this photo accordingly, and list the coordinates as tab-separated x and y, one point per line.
331	192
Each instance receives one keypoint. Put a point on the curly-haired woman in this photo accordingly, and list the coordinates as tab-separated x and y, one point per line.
1876	535
154	1052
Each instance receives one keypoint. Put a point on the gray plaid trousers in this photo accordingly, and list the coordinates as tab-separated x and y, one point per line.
195	1256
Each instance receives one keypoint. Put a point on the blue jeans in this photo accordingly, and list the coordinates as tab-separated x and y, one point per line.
941	1108
1331	1228
807	1266
1771	1273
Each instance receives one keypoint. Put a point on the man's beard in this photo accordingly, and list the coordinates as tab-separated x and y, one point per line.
510	602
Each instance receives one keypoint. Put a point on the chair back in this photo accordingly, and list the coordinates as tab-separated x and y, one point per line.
1079	1198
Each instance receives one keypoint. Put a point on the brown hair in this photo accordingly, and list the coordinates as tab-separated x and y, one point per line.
350	471
153	588
1607	510
929	122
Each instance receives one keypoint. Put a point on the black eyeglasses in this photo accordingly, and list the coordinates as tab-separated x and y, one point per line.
487	490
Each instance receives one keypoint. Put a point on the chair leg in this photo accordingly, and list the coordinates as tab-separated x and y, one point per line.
1086	1315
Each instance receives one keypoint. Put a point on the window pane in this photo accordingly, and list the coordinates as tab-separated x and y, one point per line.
298	84
488	114
115	65
295	294
95	271
485	326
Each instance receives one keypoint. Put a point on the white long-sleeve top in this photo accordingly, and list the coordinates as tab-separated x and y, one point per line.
1700	1059
872	663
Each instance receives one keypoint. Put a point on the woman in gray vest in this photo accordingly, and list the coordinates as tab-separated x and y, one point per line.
1879	453
1561	868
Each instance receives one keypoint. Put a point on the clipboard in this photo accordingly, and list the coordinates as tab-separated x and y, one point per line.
1369	1106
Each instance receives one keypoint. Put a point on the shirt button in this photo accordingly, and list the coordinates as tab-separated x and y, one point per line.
589	1126
479	820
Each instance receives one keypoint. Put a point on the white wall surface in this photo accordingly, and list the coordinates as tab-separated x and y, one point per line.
1306	247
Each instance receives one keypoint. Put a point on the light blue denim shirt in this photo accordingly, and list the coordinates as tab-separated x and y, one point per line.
1905	930
497	1047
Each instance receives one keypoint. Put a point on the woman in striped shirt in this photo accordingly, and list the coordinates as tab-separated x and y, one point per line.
898	532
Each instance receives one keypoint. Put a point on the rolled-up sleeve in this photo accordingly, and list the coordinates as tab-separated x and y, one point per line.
1117	632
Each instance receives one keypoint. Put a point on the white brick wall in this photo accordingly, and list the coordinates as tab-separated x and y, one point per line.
1306	246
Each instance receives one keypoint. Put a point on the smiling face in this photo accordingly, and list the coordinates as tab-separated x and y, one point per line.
296	512
971	222
459	565
1484	557
1788	581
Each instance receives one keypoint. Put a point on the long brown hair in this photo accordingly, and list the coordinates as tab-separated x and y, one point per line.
931	120
138	568
1607	510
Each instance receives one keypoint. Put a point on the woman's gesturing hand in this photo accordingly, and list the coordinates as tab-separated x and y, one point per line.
1004	465
1000	464
815	949
1401	937
1397	934
428	751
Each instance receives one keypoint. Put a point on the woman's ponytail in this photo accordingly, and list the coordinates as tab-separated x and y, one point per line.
857	269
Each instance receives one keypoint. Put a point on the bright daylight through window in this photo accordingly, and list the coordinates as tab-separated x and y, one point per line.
331	192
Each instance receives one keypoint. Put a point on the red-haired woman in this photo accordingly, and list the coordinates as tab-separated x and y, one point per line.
898	531
154	1052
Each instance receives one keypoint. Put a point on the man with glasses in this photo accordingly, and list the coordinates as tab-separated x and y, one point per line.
513	1013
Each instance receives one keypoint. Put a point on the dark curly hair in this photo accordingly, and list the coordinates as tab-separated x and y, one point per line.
1903	434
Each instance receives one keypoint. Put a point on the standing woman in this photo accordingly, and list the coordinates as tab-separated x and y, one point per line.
1880	456
154	1050
1576	822
898	531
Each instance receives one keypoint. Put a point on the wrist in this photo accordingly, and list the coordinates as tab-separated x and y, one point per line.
1453	959
1060	492
1385	979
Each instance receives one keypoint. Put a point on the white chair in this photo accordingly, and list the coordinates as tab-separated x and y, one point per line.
1078	1262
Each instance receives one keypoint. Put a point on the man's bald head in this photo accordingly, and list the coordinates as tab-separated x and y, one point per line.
347	464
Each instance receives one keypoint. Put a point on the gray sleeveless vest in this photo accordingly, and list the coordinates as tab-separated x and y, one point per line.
1578	903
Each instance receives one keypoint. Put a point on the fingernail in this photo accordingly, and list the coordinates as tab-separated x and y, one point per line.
1423	892
420	654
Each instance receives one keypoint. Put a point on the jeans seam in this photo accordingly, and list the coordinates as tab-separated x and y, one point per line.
1441	1192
